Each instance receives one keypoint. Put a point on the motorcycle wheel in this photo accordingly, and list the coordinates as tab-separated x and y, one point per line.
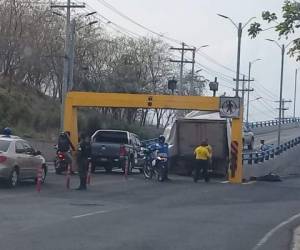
147	170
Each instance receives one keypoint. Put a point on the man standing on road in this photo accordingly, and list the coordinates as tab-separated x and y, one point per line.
83	156
202	157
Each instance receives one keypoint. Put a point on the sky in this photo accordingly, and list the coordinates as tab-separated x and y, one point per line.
196	23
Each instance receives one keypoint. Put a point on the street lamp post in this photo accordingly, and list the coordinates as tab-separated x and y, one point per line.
248	94
193	64
295	93
282	48
240	28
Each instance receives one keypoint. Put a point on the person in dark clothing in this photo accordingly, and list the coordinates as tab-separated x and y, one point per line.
65	145
83	156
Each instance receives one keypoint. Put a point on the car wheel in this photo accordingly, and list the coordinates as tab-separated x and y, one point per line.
130	166
13	178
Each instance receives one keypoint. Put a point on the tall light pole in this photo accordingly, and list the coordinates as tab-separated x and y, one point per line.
295	93
248	94
193	64
240	28
282	48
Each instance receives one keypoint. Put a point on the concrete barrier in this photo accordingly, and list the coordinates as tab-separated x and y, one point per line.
265	130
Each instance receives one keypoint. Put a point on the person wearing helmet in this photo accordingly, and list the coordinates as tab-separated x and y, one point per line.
163	149
7	132
65	145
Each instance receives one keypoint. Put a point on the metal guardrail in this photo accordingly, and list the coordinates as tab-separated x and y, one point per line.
261	156
270	123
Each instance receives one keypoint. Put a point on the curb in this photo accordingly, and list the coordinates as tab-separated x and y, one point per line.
296	239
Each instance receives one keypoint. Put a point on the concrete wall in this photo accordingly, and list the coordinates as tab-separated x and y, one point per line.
287	163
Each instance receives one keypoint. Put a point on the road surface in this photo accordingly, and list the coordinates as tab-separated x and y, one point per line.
119	213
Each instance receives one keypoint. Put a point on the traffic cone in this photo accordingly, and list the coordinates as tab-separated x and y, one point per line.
39	179
88	177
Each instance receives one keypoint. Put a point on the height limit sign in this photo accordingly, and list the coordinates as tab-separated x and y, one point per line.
229	107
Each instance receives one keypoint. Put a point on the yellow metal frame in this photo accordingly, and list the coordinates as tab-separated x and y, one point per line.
75	100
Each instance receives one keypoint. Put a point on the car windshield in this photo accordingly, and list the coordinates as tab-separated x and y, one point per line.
4	145
111	136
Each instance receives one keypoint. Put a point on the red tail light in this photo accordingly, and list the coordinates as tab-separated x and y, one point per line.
123	151
61	156
2	158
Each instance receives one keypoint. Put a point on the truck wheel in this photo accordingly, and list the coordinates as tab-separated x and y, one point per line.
108	169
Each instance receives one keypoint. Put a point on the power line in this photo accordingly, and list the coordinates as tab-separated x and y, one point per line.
112	8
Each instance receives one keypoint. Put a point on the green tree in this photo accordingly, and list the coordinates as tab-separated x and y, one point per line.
285	25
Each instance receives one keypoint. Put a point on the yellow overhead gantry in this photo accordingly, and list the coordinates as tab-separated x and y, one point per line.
75	100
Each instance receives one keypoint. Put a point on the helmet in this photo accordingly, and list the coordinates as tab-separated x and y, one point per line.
161	139
7	131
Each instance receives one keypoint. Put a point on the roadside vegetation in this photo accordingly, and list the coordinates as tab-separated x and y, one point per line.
31	70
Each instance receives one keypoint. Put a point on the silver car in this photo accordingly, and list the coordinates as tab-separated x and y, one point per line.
19	161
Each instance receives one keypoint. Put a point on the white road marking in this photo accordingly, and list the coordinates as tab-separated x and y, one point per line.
273	231
296	239
249	182
224	182
89	214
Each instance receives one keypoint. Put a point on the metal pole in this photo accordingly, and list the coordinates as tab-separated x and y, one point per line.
72	51
66	66
280	95
193	71
295	93
243	89
240	30
181	70
248	94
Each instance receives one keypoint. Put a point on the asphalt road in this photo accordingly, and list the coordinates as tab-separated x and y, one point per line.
271	137
119	213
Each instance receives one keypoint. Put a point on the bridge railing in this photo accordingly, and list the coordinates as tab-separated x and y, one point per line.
260	156
270	123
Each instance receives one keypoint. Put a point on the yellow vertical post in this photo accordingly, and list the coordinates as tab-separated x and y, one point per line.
236	172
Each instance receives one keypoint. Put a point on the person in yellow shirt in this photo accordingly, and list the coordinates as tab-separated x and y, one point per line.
202	157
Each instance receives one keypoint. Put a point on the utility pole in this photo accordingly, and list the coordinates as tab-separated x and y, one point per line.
240	31
182	61
66	74
71	53
295	93
283	107
193	69
280	94
243	89
248	94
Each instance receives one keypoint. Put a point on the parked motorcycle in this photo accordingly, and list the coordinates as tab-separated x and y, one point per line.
60	162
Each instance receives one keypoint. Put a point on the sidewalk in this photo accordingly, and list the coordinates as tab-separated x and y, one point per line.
296	239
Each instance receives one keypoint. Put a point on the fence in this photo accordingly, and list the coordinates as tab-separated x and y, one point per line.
270	123
261	156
